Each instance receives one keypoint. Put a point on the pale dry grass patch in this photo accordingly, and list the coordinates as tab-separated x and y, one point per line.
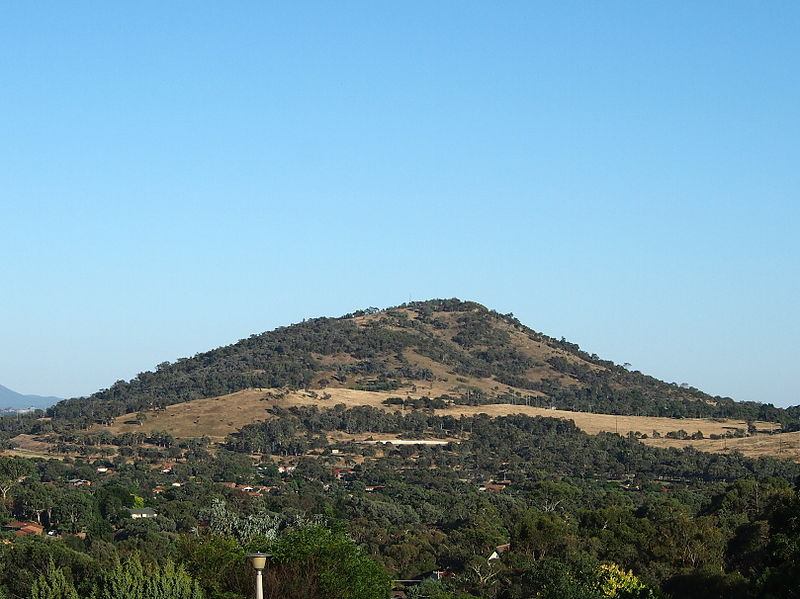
217	417
784	445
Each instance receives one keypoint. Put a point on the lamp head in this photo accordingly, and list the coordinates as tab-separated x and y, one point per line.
259	560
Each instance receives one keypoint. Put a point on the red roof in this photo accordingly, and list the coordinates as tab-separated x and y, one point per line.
25	528
493	487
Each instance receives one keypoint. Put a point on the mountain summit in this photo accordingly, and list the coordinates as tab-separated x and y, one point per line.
12	400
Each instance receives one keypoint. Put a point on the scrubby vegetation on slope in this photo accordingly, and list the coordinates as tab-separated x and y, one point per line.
484	356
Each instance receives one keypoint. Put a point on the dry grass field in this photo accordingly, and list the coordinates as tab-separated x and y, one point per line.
786	445
27	446
609	423
216	417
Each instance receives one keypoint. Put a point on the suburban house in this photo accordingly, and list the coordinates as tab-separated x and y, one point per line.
146	512
498	551
24	528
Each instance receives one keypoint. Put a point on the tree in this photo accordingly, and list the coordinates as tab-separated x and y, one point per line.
33	499
12	470
73	510
434	589
551	578
613	581
218	563
133	580
53	585
23	561
540	534
315	563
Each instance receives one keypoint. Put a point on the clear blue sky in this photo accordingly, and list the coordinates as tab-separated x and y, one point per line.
175	176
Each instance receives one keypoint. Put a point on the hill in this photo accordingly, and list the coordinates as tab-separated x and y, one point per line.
451	350
17	401
439	436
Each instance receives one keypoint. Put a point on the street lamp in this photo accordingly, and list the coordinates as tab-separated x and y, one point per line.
259	562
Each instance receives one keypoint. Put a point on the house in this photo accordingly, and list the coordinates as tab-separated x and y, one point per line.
78	482
146	512
373	488
340	473
24	528
498	551
491	487
229	485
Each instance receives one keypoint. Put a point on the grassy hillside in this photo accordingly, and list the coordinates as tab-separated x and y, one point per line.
218	417
459	351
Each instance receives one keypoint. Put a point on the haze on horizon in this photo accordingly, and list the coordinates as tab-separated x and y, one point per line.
177	177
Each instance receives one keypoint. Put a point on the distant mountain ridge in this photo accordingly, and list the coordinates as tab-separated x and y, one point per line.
481	356
17	401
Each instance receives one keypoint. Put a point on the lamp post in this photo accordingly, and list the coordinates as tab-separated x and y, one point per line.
259	562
